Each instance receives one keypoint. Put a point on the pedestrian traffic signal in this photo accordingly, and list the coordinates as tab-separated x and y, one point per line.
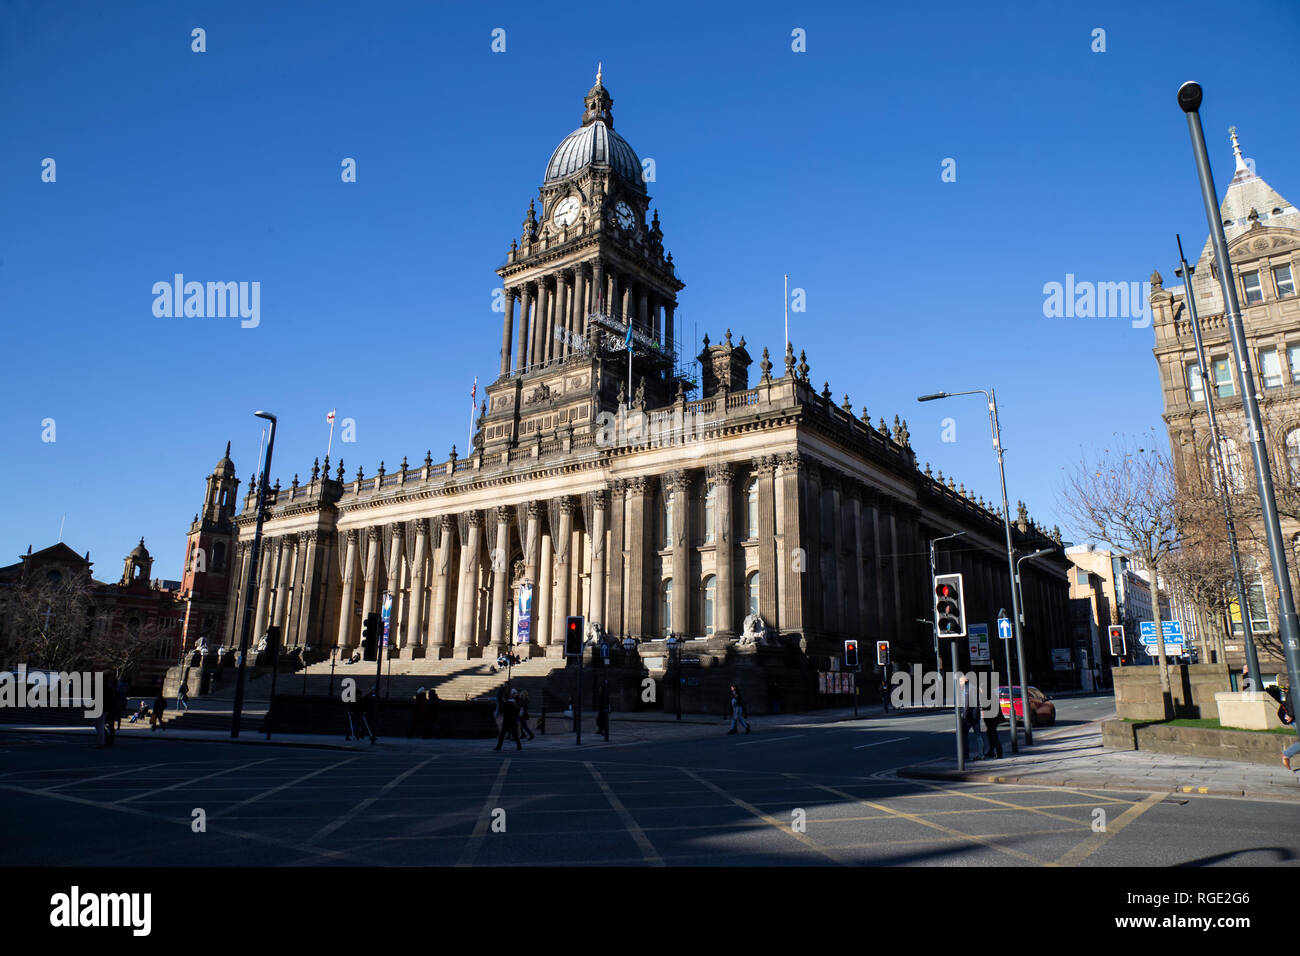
882	653
1117	647
370	629
851	655
949	606
573	636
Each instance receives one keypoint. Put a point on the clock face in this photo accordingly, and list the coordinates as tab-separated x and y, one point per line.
566	212
623	213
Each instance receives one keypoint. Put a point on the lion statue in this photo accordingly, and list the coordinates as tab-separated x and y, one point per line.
753	631
595	633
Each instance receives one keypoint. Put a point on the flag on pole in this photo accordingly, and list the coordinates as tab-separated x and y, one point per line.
330	417
628	342
473	392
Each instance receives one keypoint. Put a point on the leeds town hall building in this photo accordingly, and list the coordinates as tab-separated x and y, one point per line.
746	511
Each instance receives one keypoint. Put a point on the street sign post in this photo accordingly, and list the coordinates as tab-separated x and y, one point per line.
1172	634
1004	629
978	637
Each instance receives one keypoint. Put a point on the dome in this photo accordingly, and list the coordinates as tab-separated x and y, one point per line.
225	467
140	551
595	145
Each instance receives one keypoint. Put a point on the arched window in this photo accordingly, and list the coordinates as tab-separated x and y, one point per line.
751	592
1254	581
1231	465
1293	455
751	510
666	612
710	590
710	503
668	521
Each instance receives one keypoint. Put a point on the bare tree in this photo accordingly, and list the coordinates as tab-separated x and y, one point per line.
1200	568
1125	497
121	643
50	618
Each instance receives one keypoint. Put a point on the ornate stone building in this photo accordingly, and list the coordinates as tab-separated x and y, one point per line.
1263	232
648	510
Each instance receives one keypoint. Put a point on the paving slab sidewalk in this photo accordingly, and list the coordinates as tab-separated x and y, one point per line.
1074	757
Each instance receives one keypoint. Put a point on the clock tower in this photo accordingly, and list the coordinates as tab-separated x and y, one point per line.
588	272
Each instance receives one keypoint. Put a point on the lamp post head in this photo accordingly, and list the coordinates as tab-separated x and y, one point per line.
932	397
266	415
1189	96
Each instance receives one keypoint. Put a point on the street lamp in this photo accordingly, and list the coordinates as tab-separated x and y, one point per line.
247	626
992	399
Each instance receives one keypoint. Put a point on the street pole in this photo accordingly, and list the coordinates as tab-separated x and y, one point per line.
1220	468
577	701
249	592
956	709
1011	702
934	620
1189	99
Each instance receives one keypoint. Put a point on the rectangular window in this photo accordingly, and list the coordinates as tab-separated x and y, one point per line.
1270	368
1293	360
1223	379
1081	576
1195	387
1283	281
1254	289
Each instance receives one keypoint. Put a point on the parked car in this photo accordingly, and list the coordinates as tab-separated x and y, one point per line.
1041	708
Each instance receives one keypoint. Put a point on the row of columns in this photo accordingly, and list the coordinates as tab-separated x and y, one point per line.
553	312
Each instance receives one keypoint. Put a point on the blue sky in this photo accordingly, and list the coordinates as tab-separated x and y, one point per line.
376	296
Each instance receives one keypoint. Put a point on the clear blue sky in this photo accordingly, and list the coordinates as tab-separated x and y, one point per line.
376	296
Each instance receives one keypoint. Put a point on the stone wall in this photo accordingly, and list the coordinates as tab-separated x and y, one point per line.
1192	687
1243	745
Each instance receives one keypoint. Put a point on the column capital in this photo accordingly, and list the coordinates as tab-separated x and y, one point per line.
792	461
535	510
637	485
763	465
504	514
374	533
567	505
677	480
720	474
476	518
351	536
446	523
422	526
599	499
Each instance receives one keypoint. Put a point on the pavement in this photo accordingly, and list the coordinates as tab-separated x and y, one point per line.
1074	757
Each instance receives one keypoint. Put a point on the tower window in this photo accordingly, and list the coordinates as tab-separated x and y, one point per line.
1195	386
1283	281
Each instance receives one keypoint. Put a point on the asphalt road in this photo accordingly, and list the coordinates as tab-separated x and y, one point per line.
798	794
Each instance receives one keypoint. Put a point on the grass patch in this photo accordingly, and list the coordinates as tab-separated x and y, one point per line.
1209	723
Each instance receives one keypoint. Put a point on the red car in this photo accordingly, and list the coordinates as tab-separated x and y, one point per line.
1041	708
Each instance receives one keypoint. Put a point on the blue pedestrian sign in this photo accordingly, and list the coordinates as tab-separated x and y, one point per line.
1173	635
1004	628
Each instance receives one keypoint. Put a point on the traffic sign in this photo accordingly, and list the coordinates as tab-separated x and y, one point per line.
1004	628
978	635
1172	630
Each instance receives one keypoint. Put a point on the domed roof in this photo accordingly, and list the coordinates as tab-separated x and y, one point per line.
225	467
140	551
595	143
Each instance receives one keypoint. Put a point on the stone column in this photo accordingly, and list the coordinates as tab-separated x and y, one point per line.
768	587
267	561
598	506
635	626
500	592
854	578
539	324
833	583
578	314
370	598
563	547
720	478
627	305
599	302
346	609
468	587
413	647
643	309
241	596
542	594
285	591
560	337
611	296
794	554
668	324
614	558
506	329
441	588
306	583
525	310
396	550
677	484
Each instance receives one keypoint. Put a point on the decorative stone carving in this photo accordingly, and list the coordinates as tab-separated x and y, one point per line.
753	632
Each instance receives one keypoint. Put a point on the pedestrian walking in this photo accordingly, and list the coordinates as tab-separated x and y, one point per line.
112	715
523	715
431	729
122	690
1286	714
966	697
737	711
355	711
159	708
509	722
419	714
183	697
992	738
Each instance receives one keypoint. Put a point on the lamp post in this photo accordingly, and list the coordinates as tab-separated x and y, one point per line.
334	653
1189	100
992	399
247	626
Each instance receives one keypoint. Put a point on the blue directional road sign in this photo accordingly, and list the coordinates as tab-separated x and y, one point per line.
1173	635
1004	628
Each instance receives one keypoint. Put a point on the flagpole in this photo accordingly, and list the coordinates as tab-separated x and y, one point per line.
330	445
473	395
786	303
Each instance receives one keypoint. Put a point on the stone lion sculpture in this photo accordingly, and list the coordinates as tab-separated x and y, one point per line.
753	631
595	633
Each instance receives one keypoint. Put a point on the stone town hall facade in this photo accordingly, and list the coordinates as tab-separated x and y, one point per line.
649	511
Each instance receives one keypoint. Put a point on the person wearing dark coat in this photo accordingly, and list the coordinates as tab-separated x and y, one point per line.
419	714
112	715
159	708
509	708
602	710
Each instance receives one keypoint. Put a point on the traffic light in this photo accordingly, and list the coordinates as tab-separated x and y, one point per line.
573	636
882	653
851	655
272	642
370	629
1117	648
949	606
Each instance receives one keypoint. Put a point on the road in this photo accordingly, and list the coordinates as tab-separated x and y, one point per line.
798	794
